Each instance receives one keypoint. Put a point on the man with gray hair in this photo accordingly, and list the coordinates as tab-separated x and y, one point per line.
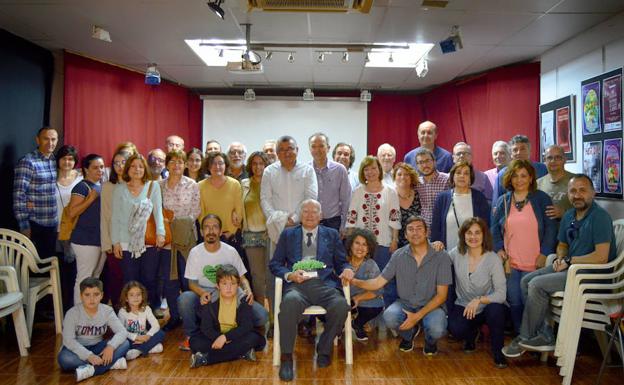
314	242
174	143
237	153
269	149
387	156
463	152
520	149
427	135
555	183
500	156
156	162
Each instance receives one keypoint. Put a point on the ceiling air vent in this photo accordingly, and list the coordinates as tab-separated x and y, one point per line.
434	3
362	6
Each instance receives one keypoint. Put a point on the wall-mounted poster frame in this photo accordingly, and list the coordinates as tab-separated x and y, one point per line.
601	114
557	126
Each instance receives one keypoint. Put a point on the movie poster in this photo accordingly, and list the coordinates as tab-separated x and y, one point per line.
547	129
590	94
592	159
563	129
612	166
612	103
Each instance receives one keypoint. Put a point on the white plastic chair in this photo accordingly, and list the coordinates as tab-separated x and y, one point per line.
18	251
311	310
11	303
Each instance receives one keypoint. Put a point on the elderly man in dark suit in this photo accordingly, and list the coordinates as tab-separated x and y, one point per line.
310	241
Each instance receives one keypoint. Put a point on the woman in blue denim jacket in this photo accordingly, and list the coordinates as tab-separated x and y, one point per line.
522	239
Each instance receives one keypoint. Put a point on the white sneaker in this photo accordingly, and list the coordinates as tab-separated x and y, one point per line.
83	372
132	354
120	364
156	349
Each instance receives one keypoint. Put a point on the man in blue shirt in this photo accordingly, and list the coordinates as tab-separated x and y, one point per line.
427	135
520	149
34	193
585	236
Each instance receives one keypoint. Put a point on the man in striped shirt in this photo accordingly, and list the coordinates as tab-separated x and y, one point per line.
34	193
431	183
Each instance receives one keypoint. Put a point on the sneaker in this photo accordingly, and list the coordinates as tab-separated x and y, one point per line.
133	354
514	349
406	346
538	343
430	349
499	361
198	359
360	334
185	345
158	348
469	347
120	364
159	313
172	324
250	355
83	372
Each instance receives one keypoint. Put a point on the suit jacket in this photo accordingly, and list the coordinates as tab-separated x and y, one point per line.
329	250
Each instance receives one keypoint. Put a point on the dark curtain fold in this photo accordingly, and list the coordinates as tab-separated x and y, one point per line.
481	110
105	105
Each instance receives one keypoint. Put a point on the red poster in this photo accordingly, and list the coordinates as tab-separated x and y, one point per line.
563	128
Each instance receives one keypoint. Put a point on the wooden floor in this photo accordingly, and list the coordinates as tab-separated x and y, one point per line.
377	362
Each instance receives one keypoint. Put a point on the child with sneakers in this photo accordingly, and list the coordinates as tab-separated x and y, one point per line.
366	305
227	331
135	314
84	348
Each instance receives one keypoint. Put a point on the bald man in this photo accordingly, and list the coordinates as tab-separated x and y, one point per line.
427	135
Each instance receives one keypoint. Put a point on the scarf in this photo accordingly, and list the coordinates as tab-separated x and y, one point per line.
136	226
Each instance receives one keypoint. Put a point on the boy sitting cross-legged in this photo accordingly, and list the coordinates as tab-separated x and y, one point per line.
84	348
227	331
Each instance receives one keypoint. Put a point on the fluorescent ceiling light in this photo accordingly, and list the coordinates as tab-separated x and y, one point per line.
401	58
210	54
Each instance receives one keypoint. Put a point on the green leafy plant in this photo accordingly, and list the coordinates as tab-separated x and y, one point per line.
308	265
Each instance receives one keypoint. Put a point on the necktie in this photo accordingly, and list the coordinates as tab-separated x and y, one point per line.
309	241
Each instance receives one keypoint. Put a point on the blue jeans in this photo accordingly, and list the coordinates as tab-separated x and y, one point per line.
145	270
382	257
172	286
434	323
514	297
188	306
145	347
68	360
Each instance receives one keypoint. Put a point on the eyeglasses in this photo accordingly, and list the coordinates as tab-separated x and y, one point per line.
573	230
176	161
423	162
556	157
119	163
463	153
235	152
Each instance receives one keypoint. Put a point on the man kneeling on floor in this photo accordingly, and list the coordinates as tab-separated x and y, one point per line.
422	276
585	236
314	242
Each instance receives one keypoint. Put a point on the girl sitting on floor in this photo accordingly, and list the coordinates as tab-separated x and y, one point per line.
226	327
135	314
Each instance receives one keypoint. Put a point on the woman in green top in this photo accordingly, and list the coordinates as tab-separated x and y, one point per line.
254	226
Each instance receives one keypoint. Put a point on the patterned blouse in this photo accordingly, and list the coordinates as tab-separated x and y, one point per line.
378	212
183	199
413	210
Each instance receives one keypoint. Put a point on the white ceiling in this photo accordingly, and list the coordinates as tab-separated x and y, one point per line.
494	33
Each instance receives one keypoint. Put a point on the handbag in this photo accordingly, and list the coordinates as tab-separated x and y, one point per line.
150	230
506	263
67	223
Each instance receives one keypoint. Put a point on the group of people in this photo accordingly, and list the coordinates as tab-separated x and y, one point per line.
430	243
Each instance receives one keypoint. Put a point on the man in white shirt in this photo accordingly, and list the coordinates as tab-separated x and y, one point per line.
201	267
387	156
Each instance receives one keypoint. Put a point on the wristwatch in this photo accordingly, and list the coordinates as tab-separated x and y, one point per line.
568	260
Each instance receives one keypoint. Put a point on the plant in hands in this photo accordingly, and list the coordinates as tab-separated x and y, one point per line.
308	265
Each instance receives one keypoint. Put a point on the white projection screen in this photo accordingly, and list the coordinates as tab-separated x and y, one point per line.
342	120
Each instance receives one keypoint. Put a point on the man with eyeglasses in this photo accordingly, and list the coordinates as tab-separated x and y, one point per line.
463	152
156	162
431	182
237	153
585	236
555	183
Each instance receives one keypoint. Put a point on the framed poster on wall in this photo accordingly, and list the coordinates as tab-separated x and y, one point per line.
602	132
557	126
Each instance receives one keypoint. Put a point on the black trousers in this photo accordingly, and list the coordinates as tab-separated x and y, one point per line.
333	222
493	315
44	238
365	314
231	351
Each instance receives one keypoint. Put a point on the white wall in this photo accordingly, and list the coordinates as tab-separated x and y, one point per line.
597	50
341	119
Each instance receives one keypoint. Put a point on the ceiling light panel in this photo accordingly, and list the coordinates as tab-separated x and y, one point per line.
210	54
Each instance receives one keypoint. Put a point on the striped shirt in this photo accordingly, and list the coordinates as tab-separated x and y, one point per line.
35	186
428	192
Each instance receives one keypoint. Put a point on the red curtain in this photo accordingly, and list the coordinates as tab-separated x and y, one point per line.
105	105
481	110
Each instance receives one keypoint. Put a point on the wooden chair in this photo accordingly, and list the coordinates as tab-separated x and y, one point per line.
11	303
18	251
311	310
